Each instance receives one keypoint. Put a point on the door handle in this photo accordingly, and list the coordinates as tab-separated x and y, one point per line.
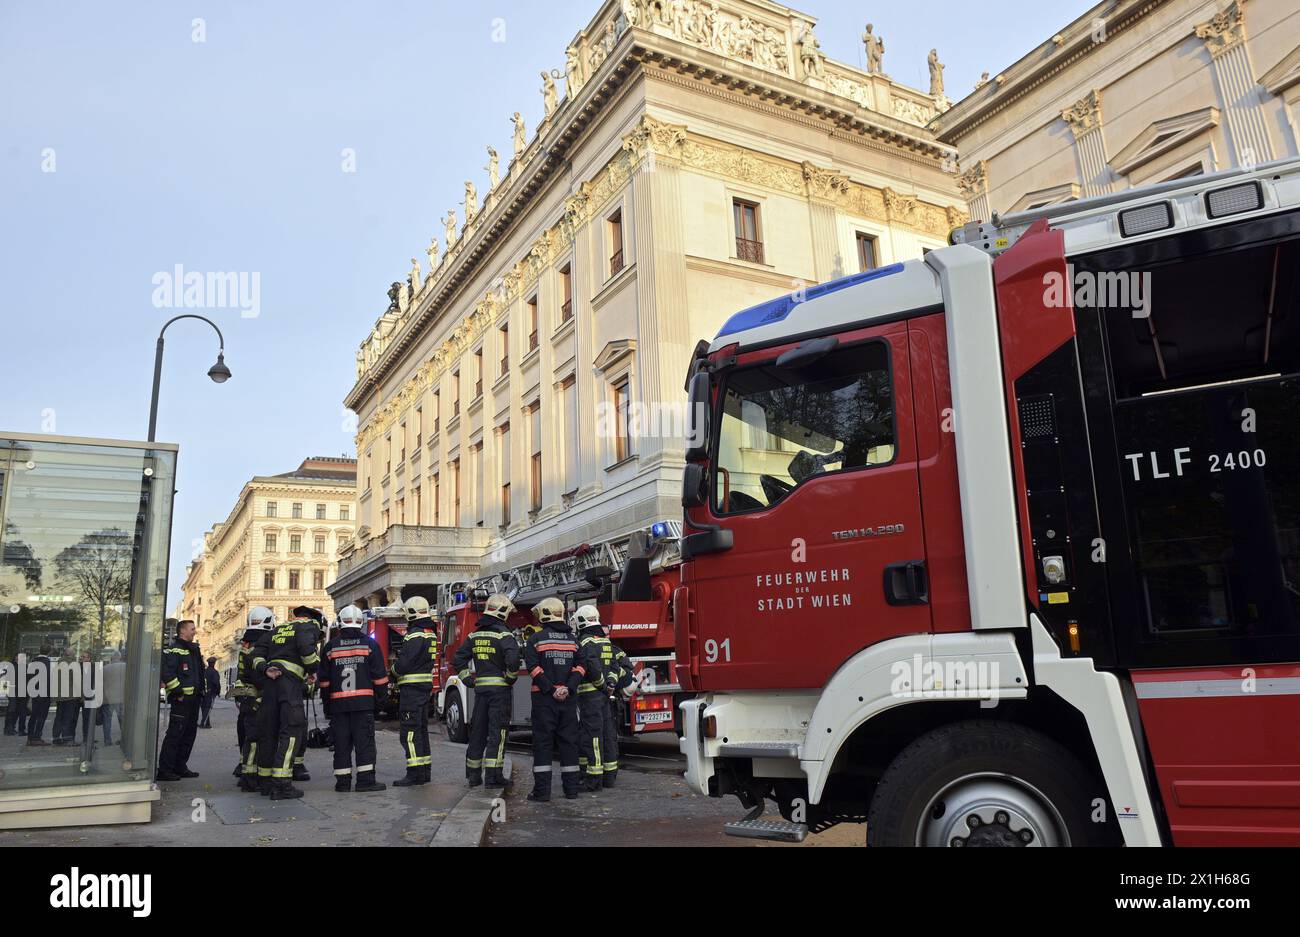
906	583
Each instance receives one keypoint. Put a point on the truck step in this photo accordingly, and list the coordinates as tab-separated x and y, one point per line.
756	826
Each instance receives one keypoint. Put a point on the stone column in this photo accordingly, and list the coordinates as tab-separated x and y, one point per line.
823	187
1225	39
663	339
1084	119
974	185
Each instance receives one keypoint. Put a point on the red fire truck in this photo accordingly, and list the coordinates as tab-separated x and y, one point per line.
1002	546
630	578
386	625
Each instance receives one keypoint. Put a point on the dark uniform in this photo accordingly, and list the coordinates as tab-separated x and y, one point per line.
414	670
352	668
248	697
182	679
596	702
493	653
554	659
266	730
291	649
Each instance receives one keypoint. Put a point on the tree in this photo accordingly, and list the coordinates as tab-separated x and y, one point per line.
98	567
15	553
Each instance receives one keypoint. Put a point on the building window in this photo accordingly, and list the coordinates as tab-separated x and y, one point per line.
867	259
749	240
294	580
437	400
433	486
455	492
621	414
566	293
419	428
388	456
615	226
271	508
505	349
478	372
344	539
532	323
320	512
295	543
297	509
268	580
401	510
383	517
503	456
270	543
419	499
570	392
319	543
318	580
480	491
455	388
535	460
345	512
401	436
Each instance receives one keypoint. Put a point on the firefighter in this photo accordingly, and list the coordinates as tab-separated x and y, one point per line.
596	700
557	666
489	662
309	697
287	660
352	668
248	696
182	679
414	670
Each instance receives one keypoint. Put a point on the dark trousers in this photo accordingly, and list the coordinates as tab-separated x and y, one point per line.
16	716
287	722
248	735
413	724
599	735
182	727
206	708
487	731
555	725
65	721
353	731
36	721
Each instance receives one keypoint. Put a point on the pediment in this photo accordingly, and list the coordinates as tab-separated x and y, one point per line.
1163	136
1285	74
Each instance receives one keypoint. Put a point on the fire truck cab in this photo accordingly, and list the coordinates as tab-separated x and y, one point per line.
1002	546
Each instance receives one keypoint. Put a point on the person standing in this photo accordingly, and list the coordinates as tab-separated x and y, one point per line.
16	713
211	690
557	667
599	759
182	680
293	661
67	700
114	693
248	697
493	654
352	668
41	672
414	669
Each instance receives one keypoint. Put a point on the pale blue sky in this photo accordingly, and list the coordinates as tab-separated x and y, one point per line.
225	156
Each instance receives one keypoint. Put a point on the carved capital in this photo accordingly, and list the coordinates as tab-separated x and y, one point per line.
1224	31
826	184
655	138
974	181
1085	115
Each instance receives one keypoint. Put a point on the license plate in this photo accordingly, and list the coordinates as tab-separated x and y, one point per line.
654	718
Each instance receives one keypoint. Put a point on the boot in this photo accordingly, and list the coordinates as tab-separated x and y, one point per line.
541	787
366	783
239	770
474	776
413	777
592	783
426	774
494	778
248	785
572	786
609	778
343	783
264	785
284	790
300	773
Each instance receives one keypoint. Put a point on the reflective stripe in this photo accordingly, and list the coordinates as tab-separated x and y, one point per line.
415	678
286	770
188	690
380	681
173	684
535	671
1204	689
489	681
473	762
311	659
340	771
539	769
580	669
348	694
566	769
464	674
349	652
361	768
558	646
293	668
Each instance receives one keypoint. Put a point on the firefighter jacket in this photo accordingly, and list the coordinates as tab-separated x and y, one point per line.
493	652
416	657
248	682
182	670
292	647
352	669
554	658
616	669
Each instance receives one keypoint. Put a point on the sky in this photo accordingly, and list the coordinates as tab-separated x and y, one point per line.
128	148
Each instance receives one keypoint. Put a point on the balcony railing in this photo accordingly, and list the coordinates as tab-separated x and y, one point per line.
751	251
615	263
532	340
566	310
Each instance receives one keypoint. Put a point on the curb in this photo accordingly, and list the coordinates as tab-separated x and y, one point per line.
466	824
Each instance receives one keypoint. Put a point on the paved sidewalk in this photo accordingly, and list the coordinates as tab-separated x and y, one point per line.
211	811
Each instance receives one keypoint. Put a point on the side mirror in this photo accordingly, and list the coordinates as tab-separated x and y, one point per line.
694	492
808	353
697	418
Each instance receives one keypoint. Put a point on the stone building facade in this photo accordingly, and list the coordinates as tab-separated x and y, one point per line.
526	393
1132	93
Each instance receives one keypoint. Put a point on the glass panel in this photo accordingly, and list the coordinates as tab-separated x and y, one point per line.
83	571
781	427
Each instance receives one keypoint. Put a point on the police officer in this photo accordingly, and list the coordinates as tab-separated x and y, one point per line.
599	758
248	696
557	666
182	679
489	662
291	659
352	668
414	670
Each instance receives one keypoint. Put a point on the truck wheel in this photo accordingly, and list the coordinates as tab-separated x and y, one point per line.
457	730
981	783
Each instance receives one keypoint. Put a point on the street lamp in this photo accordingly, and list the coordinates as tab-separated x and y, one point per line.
218	372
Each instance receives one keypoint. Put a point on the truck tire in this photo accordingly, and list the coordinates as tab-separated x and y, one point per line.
981	783
454	719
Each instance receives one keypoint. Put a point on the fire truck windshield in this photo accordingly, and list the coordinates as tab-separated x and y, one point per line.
780	427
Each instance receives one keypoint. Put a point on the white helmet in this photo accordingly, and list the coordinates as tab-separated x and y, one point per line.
350	617
498	606
549	609
260	618
417	606
585	617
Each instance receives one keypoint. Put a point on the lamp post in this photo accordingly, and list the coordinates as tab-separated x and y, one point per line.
218	372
